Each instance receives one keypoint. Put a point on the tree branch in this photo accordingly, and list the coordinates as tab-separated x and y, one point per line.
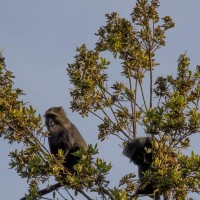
143	97
135	124
133	111
151	79
55	187
47	190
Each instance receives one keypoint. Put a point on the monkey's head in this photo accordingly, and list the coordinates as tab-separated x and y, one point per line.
135	150
55	117
129	149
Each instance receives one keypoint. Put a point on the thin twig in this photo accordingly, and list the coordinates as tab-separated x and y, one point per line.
112	121
132	108
128	99
109	104
151	79
63	196
140	108
55	187
143	97
106	192
84	194
25	136
159	101
97	115
119	137
47	190
134	127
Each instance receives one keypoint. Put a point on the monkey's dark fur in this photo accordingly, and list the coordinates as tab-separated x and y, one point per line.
136	150
63	135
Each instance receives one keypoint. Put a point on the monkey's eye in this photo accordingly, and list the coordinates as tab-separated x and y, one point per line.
51	122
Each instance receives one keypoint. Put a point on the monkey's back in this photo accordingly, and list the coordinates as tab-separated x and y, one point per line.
78	139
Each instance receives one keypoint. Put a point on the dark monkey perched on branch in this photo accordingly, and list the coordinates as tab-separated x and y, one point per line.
137	151
63	135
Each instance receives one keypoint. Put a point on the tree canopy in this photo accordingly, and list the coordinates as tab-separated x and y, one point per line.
168	112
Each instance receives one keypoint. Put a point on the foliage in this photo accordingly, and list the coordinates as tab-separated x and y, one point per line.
134	43
20	123
171	118
168	112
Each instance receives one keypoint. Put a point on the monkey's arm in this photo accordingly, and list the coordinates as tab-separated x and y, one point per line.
63	140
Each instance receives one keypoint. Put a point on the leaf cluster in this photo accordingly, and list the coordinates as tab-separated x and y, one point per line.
20	123
134	42
168	112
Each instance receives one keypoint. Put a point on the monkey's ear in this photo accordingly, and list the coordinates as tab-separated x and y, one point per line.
60	109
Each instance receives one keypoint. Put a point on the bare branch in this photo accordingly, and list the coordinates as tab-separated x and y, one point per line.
47	190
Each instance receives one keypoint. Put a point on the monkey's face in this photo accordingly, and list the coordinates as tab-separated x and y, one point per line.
50	123
53	123
54	119
55	116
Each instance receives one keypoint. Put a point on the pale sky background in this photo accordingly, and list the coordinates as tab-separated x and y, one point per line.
39	38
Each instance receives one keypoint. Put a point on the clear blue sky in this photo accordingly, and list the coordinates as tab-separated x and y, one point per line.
39	38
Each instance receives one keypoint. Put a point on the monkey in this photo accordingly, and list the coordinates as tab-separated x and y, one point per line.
63	135
137	151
